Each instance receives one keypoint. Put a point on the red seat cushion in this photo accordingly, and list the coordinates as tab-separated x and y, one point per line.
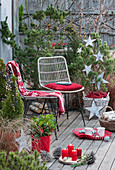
60	87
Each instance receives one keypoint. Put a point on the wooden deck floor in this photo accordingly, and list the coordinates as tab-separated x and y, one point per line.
104	151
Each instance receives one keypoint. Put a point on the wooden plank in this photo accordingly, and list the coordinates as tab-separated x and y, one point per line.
64	122
110	156
113	165
101	153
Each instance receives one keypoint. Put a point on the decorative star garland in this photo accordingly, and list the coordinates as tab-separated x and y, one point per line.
89	41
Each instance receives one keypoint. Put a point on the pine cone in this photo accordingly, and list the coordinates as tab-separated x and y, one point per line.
90	158
57	152
45	156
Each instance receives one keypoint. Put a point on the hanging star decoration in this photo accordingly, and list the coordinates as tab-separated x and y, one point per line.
22	141
99	56
99	82
94	110
79	50
87	69
89	41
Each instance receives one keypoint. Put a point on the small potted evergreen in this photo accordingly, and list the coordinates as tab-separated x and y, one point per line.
12	105
41	129
3	90
93	64
11	110
10	100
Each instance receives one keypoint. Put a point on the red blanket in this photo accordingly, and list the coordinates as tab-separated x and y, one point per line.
35	93
96	95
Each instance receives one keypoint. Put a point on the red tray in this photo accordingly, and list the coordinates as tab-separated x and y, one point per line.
83	135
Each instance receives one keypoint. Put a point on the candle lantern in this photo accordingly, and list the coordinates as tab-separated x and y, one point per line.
74	155
70	148
64	153
79	152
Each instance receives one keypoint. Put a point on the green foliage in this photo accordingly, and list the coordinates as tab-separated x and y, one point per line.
38	39
82	161
7	36
43	126
86	57
22	27
12	106
24	161
73	44
3	90
56	14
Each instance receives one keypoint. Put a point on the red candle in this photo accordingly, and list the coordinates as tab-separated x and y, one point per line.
64	153
74	155
79	152
70	148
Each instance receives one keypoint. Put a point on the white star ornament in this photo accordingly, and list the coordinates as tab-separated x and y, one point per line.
99	56
94	110
89	41
87	69
22	141
99	82
79	50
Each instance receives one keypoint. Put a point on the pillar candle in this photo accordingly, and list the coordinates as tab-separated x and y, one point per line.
74	155
79	152
70	148
64	153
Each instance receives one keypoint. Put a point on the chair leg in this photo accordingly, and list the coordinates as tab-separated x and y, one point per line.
80	109
43	108
56	112
26	106
66	105
55	134
53	110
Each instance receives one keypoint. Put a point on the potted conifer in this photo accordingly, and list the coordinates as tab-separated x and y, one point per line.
3	90
11	109
94	64
41	129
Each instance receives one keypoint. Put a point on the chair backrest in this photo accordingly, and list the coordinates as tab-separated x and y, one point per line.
14	69
52	69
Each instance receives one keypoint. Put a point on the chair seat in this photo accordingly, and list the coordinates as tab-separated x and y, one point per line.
65	88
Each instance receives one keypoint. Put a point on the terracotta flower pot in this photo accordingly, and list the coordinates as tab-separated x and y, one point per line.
43	143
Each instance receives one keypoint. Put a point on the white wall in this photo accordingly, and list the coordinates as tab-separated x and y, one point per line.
5	10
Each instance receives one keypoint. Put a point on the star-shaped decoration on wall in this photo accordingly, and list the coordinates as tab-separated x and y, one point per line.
22	141
99	82
94	110
99	56
89	41
79	50
87	69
